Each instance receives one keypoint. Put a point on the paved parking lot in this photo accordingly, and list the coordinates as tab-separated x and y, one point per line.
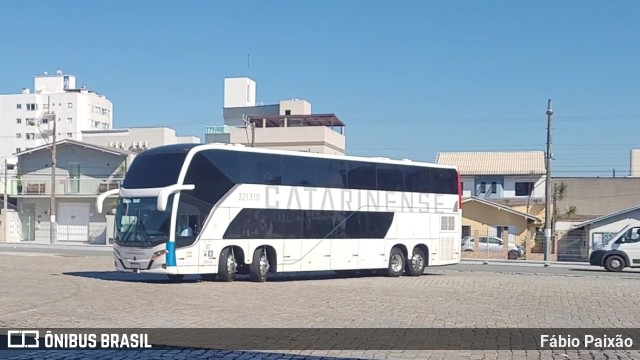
49	290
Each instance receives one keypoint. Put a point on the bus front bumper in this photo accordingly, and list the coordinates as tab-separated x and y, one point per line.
138	260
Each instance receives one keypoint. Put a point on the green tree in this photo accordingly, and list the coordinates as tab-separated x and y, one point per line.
559	194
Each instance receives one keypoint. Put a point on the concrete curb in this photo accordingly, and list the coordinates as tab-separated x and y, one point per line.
50	247
109	248
22	249
523	262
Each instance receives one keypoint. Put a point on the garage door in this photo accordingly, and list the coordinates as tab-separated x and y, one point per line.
73	222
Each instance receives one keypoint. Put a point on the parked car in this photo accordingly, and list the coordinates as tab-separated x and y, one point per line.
492	244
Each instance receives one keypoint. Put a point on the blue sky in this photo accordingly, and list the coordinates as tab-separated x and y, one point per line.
409	78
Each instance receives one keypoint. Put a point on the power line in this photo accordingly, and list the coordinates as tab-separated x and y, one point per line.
599	196
519	147
520	120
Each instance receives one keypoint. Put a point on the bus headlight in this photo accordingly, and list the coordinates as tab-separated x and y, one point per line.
157	254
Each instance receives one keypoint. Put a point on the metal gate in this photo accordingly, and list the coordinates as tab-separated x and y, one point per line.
73	223
574	246
28	220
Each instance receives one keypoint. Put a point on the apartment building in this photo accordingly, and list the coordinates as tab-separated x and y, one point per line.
26	118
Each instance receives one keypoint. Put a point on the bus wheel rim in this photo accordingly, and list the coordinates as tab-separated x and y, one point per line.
264	264
231	264
417	261
396	262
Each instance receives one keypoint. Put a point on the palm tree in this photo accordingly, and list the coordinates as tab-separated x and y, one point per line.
559	193
571	212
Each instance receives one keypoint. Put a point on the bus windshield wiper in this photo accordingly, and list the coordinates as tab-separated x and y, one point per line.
141	229
127	232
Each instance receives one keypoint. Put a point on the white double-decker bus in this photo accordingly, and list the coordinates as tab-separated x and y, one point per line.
219	210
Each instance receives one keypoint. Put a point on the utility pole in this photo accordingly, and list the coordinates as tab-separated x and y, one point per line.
547	190
554	211
52	210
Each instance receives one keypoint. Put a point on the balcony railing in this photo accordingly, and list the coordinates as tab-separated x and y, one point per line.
63	186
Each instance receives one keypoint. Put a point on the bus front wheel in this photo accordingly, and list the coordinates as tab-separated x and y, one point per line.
259	266
227	267
396	262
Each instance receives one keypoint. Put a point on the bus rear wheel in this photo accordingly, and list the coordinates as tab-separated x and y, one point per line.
259	268
417	263
227	266
396	262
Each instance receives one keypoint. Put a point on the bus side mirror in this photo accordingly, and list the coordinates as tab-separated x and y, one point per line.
103	197
163	196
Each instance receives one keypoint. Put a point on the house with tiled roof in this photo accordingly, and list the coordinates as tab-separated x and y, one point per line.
506	175
83	172
503	192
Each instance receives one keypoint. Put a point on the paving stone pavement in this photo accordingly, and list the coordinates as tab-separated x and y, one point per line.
84	292
238	355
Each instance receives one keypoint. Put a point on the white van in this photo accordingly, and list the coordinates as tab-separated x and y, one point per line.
623	250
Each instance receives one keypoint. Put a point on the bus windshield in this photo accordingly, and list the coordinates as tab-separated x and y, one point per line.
139	223
154	170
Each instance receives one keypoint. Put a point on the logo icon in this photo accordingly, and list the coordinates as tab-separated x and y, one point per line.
26	339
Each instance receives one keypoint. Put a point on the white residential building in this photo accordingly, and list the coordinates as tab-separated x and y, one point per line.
288	125
509	177
136	139
25	118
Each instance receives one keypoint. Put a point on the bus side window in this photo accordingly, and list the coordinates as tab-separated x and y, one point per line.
187	225
194	221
